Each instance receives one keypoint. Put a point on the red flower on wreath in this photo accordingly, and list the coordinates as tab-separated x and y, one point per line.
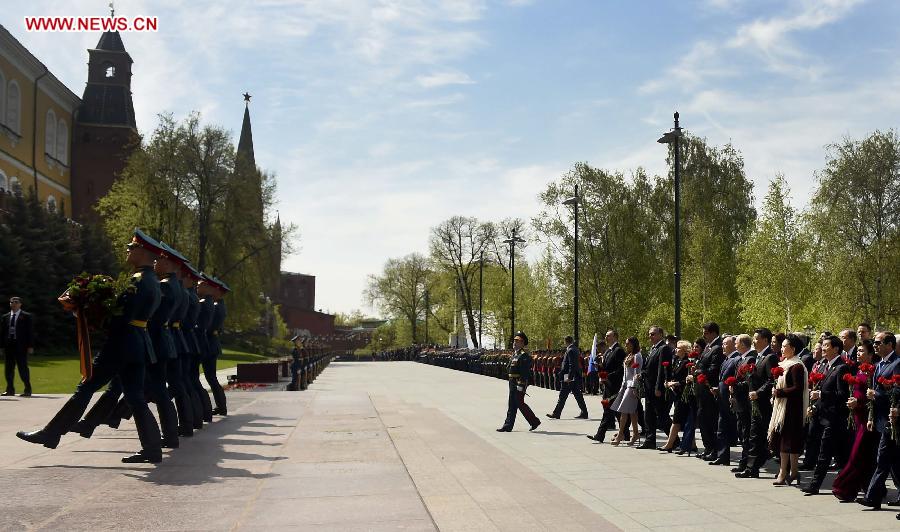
701	379
777	371
730	381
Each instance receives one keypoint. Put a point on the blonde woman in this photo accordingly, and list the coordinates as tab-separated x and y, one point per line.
627	401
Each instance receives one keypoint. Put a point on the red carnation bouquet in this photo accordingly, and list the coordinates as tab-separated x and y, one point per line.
701	379
815	378
730	381
694	354
665	363
777	371
603	375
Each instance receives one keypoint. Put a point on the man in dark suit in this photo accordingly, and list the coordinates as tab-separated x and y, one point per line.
710	364
830	410
653	380
571	379
760	391
17	339
806	356
726	432
848	344
612	365
888	461
813	427
741	399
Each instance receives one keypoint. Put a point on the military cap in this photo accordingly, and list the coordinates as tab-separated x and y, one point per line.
170	251
221	284
521	335
191	271
142	240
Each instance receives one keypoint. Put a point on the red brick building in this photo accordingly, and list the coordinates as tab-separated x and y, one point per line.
297	300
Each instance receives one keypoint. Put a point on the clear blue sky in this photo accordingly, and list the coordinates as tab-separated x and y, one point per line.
382	118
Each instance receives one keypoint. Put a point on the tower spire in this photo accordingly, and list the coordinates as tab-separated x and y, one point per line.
245	143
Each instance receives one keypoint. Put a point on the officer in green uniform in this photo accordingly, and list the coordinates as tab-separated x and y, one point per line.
218	288
124	354
173	367
190	328
519	376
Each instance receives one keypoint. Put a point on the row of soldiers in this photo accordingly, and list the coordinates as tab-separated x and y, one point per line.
168	329
545	368
306	364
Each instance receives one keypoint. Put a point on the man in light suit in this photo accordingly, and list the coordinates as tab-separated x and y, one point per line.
17	339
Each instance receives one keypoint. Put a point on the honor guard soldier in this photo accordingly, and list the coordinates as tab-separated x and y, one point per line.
519	376
198	348
182	328
127	346
174	375
209	325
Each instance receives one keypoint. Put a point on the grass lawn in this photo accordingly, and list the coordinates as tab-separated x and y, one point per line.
60	373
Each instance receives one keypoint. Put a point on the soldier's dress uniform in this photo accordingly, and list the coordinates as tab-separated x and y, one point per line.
214	350
191	328
157	366
124	354
187	348
201	332
519	372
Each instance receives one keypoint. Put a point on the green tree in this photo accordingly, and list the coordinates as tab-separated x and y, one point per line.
774	266
399	291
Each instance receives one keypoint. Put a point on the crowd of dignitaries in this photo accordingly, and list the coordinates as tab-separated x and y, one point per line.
154	350
766	398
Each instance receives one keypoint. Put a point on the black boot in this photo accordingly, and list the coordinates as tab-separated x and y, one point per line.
148	433
67	416
98	414
120	412
206	404
196	409
185	415
168	420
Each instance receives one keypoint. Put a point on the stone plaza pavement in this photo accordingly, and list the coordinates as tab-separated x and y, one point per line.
387	446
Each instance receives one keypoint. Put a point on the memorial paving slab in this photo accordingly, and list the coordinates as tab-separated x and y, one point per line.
386	446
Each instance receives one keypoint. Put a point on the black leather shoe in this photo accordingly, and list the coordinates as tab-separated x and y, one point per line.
582	415
738	469
596	439
747	473
141	458
536	425
804	467
810	490
648	444
84	429
26	393
171	443
866	502
895	502
7	393
720	461
220	412
504	429
551	416
40	437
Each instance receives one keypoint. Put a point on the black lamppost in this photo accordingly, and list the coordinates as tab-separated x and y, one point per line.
672	137
512	266
480	296
573	201
427	308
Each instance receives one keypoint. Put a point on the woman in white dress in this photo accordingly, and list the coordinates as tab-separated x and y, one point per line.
627	400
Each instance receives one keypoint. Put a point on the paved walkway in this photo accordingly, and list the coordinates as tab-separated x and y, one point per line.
386	446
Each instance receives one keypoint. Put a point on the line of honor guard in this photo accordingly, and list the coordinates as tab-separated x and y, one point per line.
169	328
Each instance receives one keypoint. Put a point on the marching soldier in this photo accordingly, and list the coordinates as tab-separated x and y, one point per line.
173	367
215	291
197	342
520	376
183	328
124	354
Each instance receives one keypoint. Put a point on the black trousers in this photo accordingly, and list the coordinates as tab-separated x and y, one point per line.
759	440
726	432
575	388
104	369
888	463
656	415
209	371
186	361
159	394
813	443
592	384
179	393
743	434
707	418
835	440
516	401
16	356
201	392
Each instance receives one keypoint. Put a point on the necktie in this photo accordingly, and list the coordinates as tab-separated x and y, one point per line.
12	326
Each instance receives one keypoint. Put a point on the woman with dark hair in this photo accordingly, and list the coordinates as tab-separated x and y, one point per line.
675	385
778	341
627	401
791	399
861	463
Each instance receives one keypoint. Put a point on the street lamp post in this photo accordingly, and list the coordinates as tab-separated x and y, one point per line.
512	266
573	201
672	137
427	308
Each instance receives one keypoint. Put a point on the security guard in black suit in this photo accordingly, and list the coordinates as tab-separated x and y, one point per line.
17	340
571	378
520	376
124	354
